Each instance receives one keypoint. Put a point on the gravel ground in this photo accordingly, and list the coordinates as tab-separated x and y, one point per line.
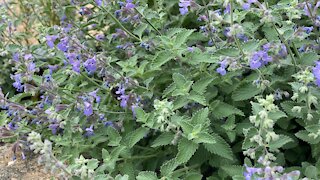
19	169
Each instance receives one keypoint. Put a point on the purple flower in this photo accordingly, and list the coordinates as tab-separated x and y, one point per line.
31	67
222	71
17	84
90	65
13	126
227	10
89	131
28	56
316	73
124	100
16	57
54	128
108	123
51	39
94	94
88	111
98	2
63	44
246	6
184	4
259	58
76	65
308	29
100	37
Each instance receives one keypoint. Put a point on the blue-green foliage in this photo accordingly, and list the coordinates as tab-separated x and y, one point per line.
165	89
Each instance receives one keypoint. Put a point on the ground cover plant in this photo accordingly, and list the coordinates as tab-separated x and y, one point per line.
163	89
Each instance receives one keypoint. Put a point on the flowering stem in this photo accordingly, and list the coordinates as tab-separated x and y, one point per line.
148	21
118	22
209	19
235	38
92	81
287	46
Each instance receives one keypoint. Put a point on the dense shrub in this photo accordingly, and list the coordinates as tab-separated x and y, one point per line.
164	89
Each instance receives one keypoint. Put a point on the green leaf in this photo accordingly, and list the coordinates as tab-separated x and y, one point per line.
140	29
163	140
141	115
161	58
250	46
197	98
233	52
200	117
221	109
135	136
147	175
113	136
233	170
204	137
245	91
186	150
92	164
309	58
168	167
220	147
182	37
201	85
311	172
280	142
303	135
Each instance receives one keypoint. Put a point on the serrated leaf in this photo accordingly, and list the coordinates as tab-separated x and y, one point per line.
201	85
200	116
186	150
135	136
163	140
233	170
303	135
113	136
168	167
206	138
280	142
162	58
141	115
147	175
221	109
233	52
182	37
245	91
250	46
140	29
197	98
220	147
309	58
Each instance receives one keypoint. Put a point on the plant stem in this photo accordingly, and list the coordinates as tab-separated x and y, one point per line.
234	37
118	22
148	22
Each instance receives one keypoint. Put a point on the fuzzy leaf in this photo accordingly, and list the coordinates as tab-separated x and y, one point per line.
186	150
220	147
201	85
280	142
164	139
244	92
147	175
135	136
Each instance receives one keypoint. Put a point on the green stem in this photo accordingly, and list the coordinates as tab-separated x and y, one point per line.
148	22
118	22
234	37
287	46
92	81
